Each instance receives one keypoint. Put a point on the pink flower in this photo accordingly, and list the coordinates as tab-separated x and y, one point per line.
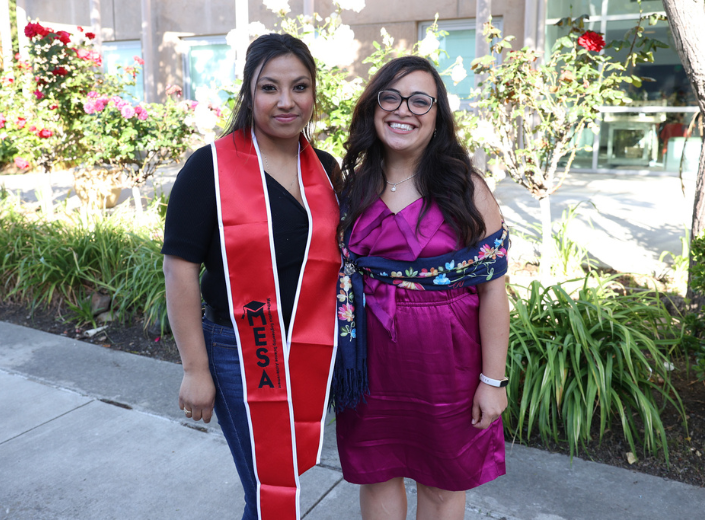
141	112
21	121
89	106
90	35
80	29
138	60
173	89
127	111
39	94
21	163
122	103
2	121
59	71
116	99
346	312
84	54
32	128
193	104
486	252
45	133
100	103
92	94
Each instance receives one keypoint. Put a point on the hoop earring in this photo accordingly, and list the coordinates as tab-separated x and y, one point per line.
435	131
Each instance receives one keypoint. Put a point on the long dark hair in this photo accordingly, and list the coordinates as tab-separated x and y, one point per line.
444	172
260	52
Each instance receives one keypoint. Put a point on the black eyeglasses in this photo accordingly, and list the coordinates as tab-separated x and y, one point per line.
419	104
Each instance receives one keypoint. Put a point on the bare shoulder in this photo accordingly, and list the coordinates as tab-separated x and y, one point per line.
487	205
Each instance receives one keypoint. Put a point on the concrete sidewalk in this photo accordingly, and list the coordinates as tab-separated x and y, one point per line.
91	433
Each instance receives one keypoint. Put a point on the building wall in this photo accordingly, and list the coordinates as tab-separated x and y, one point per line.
174	19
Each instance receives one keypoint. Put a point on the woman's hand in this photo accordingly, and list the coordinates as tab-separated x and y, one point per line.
197	394
488	404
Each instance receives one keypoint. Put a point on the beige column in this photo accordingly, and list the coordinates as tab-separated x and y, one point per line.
534	24
483	12
6	34
308	7
242	23
148	53
21	24
96	25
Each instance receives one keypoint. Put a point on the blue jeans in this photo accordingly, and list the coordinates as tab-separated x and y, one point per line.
224	365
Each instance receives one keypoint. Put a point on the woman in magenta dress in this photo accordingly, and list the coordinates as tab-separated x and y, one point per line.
424	240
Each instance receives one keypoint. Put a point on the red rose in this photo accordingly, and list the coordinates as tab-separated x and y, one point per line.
64	37
139	60
39	94
32	128
90	35
45	133
53	107
21	121
84	54
40	81
21	163
34	29
80	29
592	41
59	71
2	121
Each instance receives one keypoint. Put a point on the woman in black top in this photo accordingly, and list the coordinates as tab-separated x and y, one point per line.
277	102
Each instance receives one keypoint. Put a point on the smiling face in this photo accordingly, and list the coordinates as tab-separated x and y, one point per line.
401	131
283	98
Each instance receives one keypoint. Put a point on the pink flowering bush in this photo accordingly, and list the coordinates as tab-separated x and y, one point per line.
138	138
47	126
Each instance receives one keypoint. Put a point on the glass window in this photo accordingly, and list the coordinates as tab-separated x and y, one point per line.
123	53
670	85
656	141
460	41
632	6
209	63
574	8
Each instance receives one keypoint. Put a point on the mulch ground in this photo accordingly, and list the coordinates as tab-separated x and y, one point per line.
686	447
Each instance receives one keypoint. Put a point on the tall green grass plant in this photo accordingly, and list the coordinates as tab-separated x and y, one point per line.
582	360
45	262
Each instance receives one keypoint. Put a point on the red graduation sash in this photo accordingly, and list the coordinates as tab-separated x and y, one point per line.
286	380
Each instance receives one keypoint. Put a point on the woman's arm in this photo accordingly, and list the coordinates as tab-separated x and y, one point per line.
183	302
489	401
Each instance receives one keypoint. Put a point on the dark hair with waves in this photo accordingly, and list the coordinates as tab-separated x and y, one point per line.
260	52
444	172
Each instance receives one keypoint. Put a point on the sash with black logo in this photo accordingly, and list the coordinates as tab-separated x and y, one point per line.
286	379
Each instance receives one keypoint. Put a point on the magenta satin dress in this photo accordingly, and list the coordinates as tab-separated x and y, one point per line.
424	361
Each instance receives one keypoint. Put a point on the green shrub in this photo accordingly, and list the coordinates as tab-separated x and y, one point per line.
45	261
694	323
576	360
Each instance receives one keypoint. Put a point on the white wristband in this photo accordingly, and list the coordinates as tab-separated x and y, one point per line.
498	383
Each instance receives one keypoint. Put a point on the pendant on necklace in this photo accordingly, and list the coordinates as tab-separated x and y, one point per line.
394	187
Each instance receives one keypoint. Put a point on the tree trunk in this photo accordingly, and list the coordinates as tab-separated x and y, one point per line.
687	19
547	247
137	197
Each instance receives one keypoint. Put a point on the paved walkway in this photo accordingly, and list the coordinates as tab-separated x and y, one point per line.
90	433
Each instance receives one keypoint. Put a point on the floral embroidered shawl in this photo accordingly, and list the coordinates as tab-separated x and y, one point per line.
462	268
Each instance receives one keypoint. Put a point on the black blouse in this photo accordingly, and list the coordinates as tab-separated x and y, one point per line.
191	229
